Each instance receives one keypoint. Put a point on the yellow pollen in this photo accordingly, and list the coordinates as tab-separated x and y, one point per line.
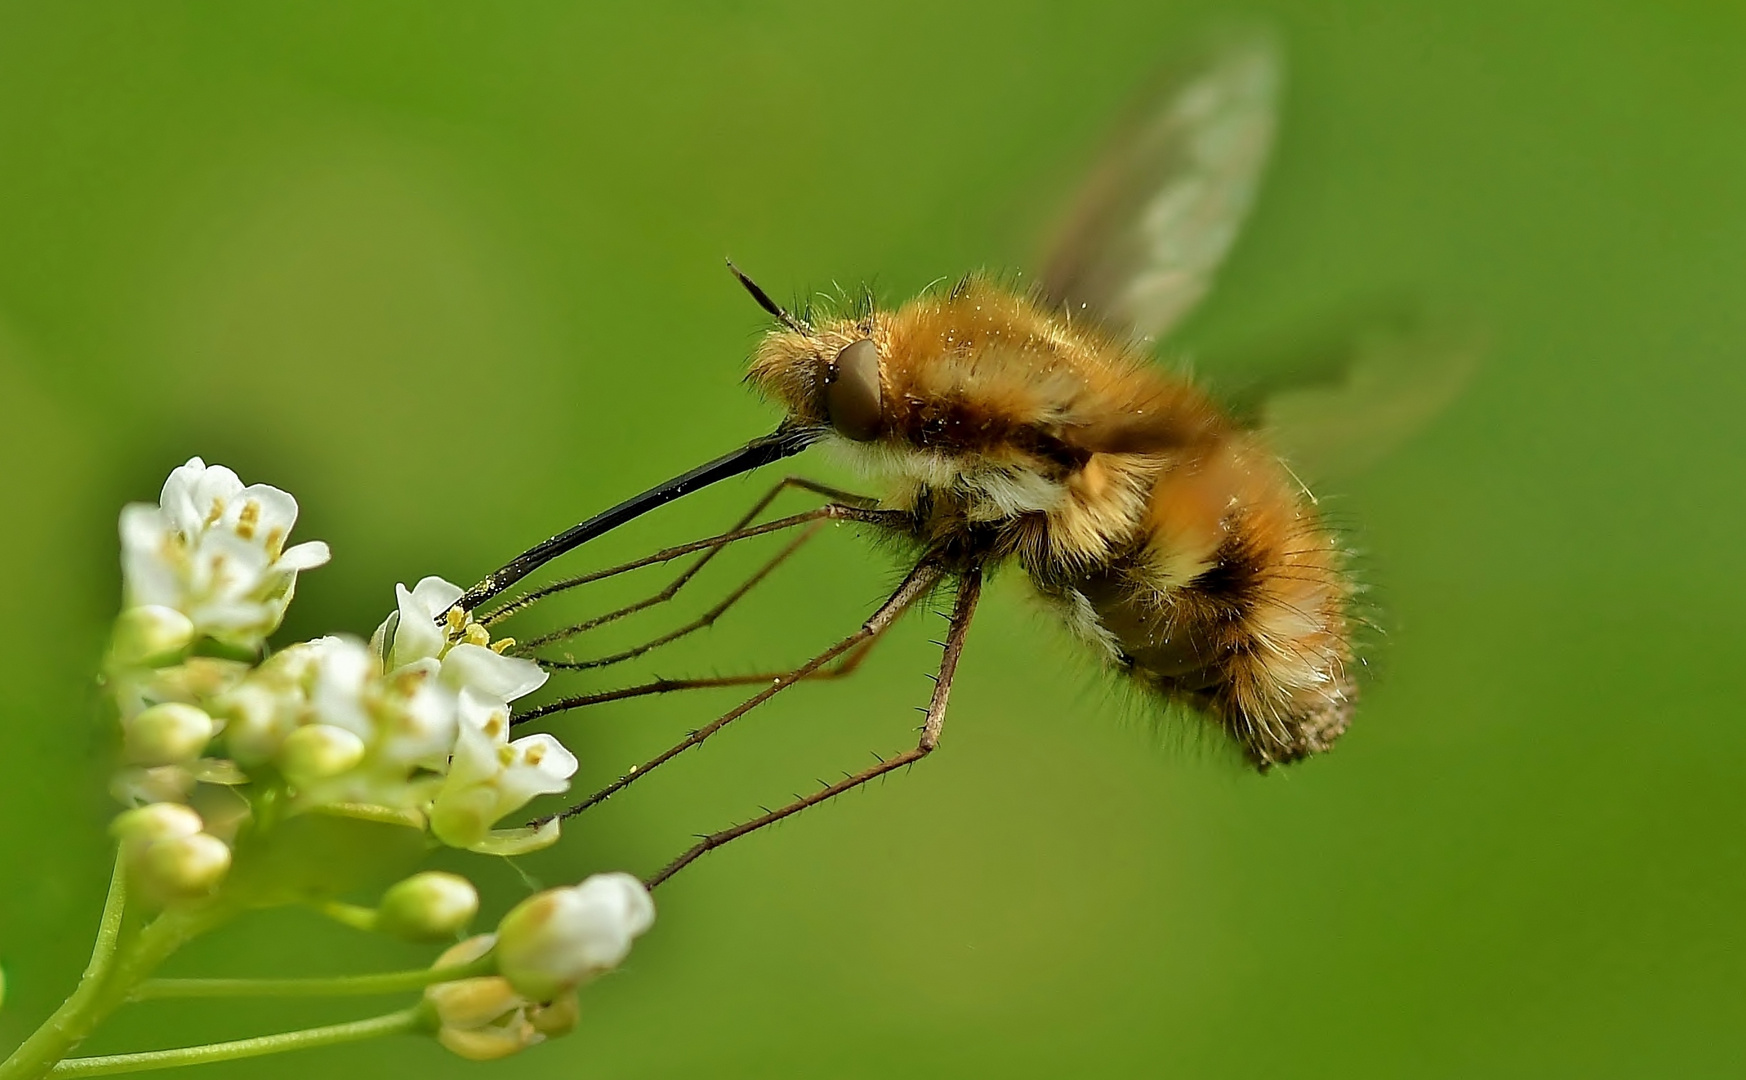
248	519
476	635
535	754
502	644
494	726
216	512
505	756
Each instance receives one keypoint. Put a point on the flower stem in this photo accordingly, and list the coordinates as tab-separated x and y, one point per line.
393	1023
70	1023
113	970
387	982
352	915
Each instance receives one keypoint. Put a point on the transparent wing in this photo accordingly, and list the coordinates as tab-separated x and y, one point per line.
1140	244
1336	407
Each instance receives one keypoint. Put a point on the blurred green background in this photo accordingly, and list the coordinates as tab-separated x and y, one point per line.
451	273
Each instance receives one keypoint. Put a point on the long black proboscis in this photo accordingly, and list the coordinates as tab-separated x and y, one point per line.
781	443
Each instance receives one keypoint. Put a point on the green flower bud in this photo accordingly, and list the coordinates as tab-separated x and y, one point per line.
184	867
429	906
167	734
319	751
158	821
149	633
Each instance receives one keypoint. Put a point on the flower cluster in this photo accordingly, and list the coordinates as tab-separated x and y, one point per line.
411	727
545	948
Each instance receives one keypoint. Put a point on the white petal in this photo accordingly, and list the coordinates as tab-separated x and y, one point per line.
343	670
498	676
417	727
275	510
201	493
417	636
153	562
223	564
634	906
541	766
178	498
436	595
483	727
305	556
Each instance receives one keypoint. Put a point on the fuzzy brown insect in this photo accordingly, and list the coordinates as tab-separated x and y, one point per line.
1168	538
1031	426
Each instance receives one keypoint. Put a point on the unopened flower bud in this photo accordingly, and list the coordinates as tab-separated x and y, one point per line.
429	906
167	734
557	1017
149	632
511	1035
481	1018
158	821
185	866
557	939
319	751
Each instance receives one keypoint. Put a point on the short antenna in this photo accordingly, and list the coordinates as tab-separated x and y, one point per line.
764	301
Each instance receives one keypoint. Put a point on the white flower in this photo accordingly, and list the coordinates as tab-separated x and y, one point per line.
489	776
413	633
423	628
303	684
555	940
214	550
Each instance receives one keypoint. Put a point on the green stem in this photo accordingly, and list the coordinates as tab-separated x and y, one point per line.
393	1023
112	972
352	915
388	982
69	1023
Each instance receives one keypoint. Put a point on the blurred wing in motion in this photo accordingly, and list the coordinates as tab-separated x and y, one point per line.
1334	410
1140	245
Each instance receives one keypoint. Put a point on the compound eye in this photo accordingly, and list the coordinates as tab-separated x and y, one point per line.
852	399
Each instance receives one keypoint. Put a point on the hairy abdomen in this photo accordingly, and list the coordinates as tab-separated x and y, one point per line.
1229	596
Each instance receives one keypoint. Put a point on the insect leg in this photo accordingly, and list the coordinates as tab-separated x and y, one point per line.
706	619
915	585
672	588
969	588
842	668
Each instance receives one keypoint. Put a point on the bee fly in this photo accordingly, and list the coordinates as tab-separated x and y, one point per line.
1030	427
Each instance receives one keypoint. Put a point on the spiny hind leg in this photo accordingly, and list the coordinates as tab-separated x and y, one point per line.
844	666
915	585
969	590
